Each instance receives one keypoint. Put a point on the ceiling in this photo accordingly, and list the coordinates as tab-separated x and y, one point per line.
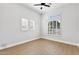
45	9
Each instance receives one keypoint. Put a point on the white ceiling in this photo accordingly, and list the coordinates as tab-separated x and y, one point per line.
45	9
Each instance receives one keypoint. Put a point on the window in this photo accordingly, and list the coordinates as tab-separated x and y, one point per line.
27	24
31	24
54	27
24	24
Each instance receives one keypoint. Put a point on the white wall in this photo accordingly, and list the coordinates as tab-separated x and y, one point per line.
69	23
78	21
10	16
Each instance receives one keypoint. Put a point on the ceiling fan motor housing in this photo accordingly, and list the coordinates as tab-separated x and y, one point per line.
42	3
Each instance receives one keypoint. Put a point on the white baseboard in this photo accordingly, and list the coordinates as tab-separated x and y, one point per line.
65	42
15	44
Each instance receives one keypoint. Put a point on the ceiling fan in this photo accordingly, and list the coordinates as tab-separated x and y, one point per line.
43	4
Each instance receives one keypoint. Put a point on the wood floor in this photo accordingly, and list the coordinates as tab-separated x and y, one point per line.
41	47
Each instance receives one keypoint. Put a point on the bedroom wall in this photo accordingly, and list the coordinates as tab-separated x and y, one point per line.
10	30
78	20
69	23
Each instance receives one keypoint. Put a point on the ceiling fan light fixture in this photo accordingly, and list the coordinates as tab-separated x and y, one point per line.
41	8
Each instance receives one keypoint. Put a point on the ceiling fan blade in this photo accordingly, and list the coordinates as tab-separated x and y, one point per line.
37	4
47	5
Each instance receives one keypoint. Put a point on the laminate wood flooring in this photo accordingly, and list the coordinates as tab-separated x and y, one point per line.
41	47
